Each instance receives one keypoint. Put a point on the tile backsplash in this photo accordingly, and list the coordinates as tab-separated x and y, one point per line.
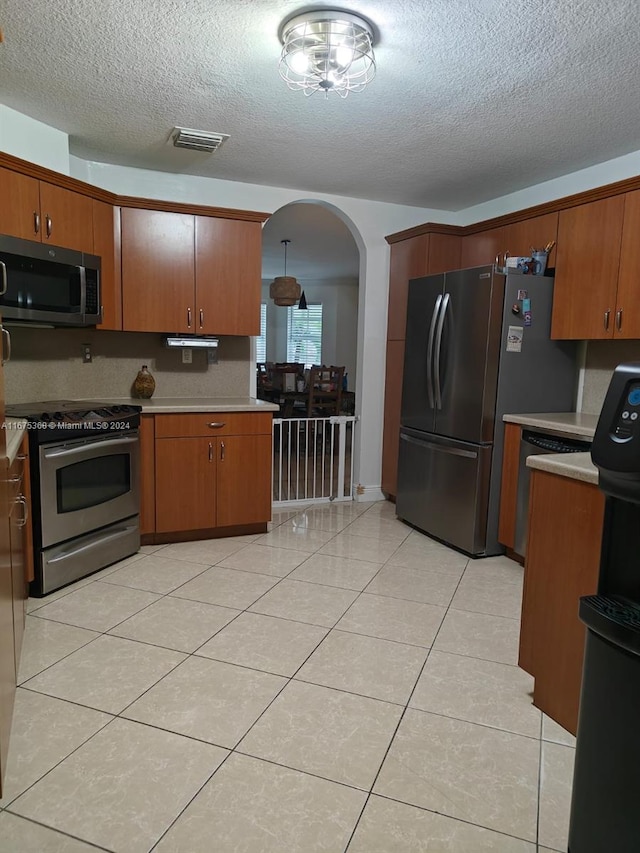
602	359
46	364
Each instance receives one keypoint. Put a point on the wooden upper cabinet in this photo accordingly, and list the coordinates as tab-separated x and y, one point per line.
482	248
158	271
106	244
409	259
444	253
588	255
228	276
66	218
536	233
19	205
627	318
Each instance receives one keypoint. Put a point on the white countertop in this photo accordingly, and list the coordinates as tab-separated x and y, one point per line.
14	433
577	466
574	423
167	405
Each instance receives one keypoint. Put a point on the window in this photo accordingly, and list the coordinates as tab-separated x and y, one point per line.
304	335
261	341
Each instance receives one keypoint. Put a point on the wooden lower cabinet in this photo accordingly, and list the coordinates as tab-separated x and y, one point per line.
147	475
392	406
509	486
204	478
563	559
185	484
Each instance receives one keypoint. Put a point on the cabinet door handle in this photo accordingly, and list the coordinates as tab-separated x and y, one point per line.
6	346
49	224
210	452
201	318
607	314
222	449
619	319
25	511
3	274
36	222
217	424
189	318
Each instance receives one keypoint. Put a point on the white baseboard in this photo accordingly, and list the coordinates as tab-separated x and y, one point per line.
369	493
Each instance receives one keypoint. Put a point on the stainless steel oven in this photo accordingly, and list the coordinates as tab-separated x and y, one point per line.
85	485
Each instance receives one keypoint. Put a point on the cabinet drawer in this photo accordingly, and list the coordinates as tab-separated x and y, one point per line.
212	424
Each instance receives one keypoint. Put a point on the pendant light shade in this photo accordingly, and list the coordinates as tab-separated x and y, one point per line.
284	289
302	305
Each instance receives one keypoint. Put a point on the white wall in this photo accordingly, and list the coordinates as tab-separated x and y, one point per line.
31	140
339	298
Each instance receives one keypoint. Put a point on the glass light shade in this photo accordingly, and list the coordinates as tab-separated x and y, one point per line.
327	51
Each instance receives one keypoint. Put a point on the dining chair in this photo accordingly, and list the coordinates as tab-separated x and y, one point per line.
324	393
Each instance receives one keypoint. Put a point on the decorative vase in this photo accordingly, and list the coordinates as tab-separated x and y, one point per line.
144	384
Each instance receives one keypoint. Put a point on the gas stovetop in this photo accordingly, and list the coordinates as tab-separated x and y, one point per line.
52	420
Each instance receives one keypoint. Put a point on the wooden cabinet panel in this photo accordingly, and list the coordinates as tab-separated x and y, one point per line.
17	516
106	244
147	475
509	486
7	658
392	403
444	253
482	248
587	260
213	424
67	218
185	484
521	237
243	480
563	557
627	319
228	276
19	205
158	278
409	259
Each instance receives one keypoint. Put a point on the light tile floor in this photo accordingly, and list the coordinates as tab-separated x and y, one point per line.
340	683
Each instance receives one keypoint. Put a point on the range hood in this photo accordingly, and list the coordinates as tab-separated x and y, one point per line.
195	341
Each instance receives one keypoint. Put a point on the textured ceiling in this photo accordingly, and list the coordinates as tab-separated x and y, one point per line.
472	99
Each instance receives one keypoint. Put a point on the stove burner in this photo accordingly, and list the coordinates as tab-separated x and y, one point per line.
68	419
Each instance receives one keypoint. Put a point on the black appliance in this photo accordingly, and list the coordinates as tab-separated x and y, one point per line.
47	284
85	487
605	815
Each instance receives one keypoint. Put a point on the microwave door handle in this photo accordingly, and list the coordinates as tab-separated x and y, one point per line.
3	277
83	290
432	332
438	348
76	451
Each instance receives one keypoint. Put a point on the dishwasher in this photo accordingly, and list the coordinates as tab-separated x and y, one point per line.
532	443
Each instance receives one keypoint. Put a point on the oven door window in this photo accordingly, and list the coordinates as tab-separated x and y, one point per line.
94	482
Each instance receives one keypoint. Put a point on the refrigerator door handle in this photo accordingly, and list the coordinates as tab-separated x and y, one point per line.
452	451
438	349
432	333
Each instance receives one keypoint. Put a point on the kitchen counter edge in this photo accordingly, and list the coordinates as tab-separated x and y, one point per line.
572	423
174	405
576	466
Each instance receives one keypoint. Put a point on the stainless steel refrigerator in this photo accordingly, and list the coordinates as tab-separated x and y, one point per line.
477	347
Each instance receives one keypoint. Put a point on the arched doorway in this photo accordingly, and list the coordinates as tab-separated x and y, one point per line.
325	256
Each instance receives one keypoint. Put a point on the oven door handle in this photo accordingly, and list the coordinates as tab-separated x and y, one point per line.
73	552
76	451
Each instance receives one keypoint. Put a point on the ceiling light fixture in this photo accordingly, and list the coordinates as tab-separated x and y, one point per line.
327	50
284	289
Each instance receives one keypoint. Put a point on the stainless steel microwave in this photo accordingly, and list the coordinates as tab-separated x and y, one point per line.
47	284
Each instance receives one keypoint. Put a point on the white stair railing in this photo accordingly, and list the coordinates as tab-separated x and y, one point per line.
313	459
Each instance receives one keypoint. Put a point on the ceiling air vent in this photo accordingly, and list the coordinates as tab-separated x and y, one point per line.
197	140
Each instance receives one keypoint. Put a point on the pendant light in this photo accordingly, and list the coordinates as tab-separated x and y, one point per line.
284	289
302	305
